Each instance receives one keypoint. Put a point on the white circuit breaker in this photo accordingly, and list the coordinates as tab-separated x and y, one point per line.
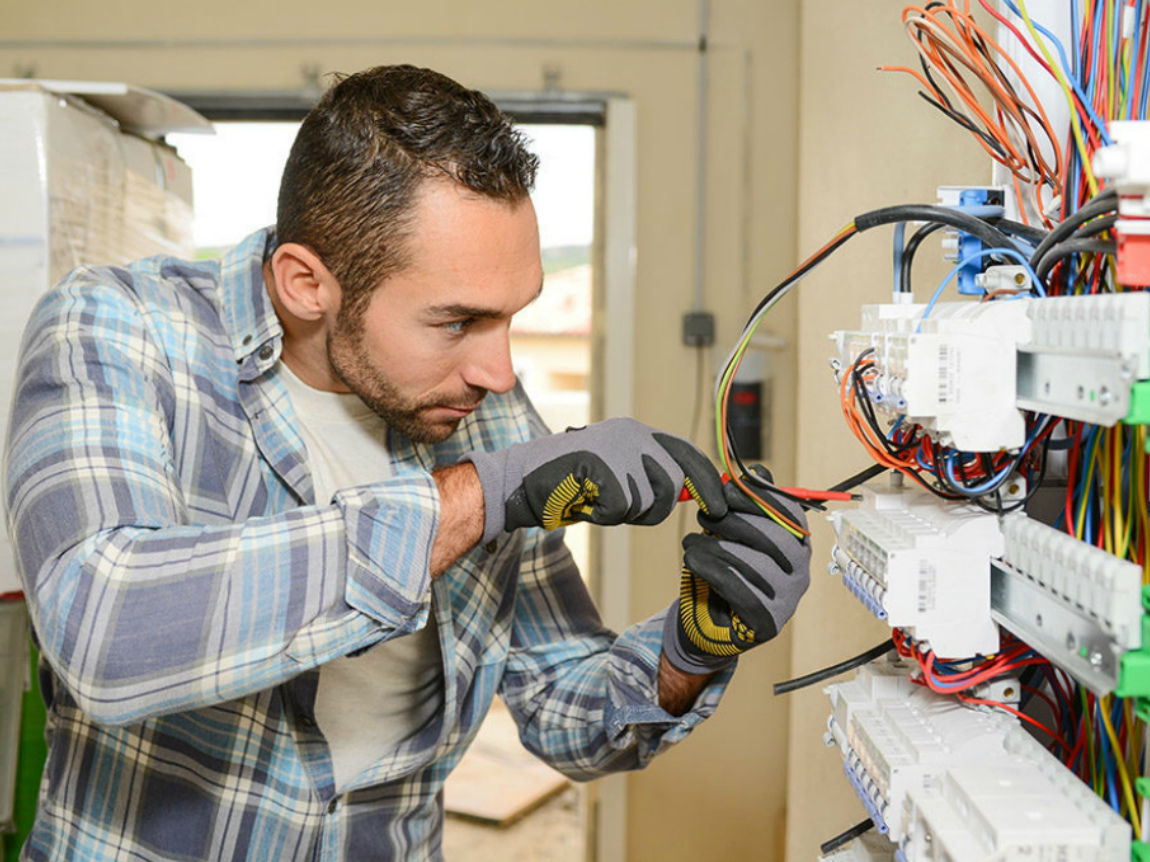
923	565
946	781
950	369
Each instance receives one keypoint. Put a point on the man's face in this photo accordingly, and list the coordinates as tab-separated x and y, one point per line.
433	339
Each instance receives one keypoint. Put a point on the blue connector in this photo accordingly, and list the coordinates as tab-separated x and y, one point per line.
864	797
968	244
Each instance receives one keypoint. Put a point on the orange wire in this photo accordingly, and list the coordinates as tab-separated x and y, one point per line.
949	40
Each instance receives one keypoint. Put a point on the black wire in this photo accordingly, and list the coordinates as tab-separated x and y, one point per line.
990	235
1097	226
1101	203
845	836
908	254
1068	247
835	669
752	478
783	286
1014	228
886	215
965	122
858	478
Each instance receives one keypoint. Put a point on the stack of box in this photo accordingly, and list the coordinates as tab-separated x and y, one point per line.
87	179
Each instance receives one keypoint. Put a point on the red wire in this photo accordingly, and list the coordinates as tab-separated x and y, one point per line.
1022	715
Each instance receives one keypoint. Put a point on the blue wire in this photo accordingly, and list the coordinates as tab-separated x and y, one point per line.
1071	78
899	235
1075	17
1035	283
1134	55
1116	41
989	485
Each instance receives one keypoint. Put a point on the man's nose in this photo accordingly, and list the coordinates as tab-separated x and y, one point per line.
491	367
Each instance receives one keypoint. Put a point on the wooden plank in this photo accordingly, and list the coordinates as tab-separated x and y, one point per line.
498	781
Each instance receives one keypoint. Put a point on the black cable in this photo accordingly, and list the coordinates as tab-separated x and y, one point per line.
1068	247
992	236
858	478
908	254
1014	228
843	837
1097	226
1100	204
835	669
784	286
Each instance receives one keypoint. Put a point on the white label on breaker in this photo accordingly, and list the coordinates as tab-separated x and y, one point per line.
948	374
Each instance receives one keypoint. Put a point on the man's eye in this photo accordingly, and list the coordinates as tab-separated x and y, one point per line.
458	327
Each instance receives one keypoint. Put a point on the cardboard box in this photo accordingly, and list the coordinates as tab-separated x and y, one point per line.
87	180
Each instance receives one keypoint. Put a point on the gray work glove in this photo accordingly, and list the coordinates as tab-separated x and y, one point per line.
742	578
612	472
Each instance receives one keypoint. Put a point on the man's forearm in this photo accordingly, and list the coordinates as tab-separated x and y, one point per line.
678	690
460	515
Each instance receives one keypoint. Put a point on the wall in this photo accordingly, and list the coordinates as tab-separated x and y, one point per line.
866	141
725	787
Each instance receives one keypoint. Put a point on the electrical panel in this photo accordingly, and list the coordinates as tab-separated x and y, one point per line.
921	565
1011	558
949	368
945	781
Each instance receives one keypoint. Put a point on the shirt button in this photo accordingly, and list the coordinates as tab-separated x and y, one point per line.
331	806
307	721
247	340
265	352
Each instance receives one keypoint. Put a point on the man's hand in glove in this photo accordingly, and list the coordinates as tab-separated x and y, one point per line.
742	578
612	472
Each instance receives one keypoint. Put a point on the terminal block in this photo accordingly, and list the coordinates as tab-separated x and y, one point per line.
949	368
1087	358
943	780
1076	604
922	565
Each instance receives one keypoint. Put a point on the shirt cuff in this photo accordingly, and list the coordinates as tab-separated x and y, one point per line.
634	716
391	526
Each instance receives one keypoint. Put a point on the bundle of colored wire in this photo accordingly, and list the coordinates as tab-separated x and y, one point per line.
908	448
960	64
728	453
958	676
1103	72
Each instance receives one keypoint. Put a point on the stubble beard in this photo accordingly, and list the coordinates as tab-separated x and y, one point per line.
347	355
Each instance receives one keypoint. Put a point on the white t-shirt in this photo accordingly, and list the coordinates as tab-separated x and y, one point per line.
365	705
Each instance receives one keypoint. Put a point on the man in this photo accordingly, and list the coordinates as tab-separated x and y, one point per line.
273	516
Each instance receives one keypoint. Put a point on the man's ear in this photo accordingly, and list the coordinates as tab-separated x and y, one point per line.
304	286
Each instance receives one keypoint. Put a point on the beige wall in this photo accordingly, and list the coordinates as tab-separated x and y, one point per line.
864	140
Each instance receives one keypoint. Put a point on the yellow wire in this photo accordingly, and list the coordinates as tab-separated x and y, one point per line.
725	385
1108	55
1127	791
1129	543
1058	76
1078	522
1140	490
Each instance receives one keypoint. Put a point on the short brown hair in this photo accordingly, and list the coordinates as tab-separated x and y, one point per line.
362	152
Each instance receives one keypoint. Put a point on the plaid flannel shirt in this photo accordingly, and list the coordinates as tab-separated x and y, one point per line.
185	587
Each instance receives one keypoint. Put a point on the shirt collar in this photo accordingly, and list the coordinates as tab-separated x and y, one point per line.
255	330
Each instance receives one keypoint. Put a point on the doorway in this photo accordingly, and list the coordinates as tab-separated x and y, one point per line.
552	351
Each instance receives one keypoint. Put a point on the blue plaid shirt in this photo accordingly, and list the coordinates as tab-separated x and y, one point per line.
185	588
